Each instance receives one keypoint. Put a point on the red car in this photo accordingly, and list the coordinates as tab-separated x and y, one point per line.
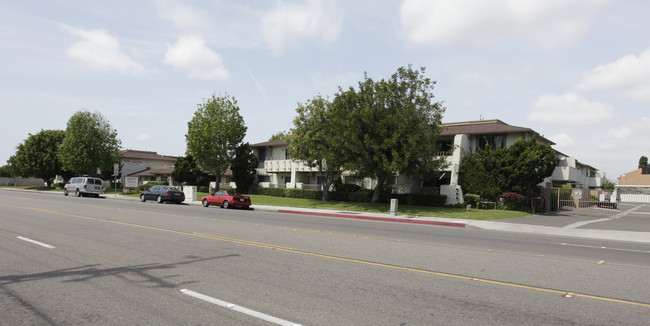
227	199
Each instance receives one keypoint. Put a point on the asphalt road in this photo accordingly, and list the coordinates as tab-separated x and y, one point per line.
87	261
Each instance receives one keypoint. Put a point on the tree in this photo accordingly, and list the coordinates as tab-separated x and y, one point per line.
9	170
609	185
186	171
214	133
90	144
393	125
37	155
519	168
643	165
480	173
528	163
280	135
319	139
244	167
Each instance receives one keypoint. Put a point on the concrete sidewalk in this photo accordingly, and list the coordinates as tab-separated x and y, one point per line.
537	224
496	225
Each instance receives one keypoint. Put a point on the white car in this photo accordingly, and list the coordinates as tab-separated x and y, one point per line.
82	186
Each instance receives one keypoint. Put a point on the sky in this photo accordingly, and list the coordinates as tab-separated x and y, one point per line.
575	71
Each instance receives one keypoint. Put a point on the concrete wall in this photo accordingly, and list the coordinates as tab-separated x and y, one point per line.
634	178
21	182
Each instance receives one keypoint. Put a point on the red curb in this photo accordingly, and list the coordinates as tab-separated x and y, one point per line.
376	218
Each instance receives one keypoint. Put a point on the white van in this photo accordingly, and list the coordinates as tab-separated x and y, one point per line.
82	186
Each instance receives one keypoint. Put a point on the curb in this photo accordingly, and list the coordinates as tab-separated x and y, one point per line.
375	218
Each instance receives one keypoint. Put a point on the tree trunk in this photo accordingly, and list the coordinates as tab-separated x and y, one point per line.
327	182
380	184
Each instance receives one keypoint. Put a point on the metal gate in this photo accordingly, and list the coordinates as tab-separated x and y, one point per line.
624	201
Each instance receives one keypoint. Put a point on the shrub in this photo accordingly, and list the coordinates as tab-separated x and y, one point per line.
346	187
515	201
362	195
421	200
202	189
150	184
472	199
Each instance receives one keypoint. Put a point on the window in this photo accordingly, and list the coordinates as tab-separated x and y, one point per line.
262	154
444	147
491	141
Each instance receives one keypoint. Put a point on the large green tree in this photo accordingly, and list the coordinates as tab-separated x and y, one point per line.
37	155
528	163
319	138
393	125
214	133
518	168
90	143
186	171
244	167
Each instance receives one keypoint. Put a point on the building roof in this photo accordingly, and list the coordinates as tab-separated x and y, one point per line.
485	127
270	143
153	171
145	155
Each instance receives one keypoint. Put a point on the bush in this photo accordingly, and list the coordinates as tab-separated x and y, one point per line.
472	199
421	200
360	196
346	187
515	201
150	184
202	189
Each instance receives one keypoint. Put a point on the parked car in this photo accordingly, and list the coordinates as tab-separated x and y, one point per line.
227	199
83	186
163	194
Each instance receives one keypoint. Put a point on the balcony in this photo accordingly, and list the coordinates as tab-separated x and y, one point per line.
277	166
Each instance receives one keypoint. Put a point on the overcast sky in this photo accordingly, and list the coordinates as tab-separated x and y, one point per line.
576	71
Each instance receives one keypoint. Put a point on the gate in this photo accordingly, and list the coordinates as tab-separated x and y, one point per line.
624	201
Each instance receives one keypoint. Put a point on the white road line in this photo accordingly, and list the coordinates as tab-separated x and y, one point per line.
237	308
36	242
598	247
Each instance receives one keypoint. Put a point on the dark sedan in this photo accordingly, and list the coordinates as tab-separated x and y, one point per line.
163	194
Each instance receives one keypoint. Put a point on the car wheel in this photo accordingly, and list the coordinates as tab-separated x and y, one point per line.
159	200
205	203
65	192
225	204
142	199
77	193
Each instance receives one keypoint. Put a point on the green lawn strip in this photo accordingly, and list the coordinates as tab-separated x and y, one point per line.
447	212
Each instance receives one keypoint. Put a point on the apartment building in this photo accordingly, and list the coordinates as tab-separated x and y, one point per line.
278	169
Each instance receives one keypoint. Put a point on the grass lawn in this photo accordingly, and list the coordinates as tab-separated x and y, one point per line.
474	214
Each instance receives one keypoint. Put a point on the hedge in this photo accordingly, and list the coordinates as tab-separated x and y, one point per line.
362	195
146	186
420	200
